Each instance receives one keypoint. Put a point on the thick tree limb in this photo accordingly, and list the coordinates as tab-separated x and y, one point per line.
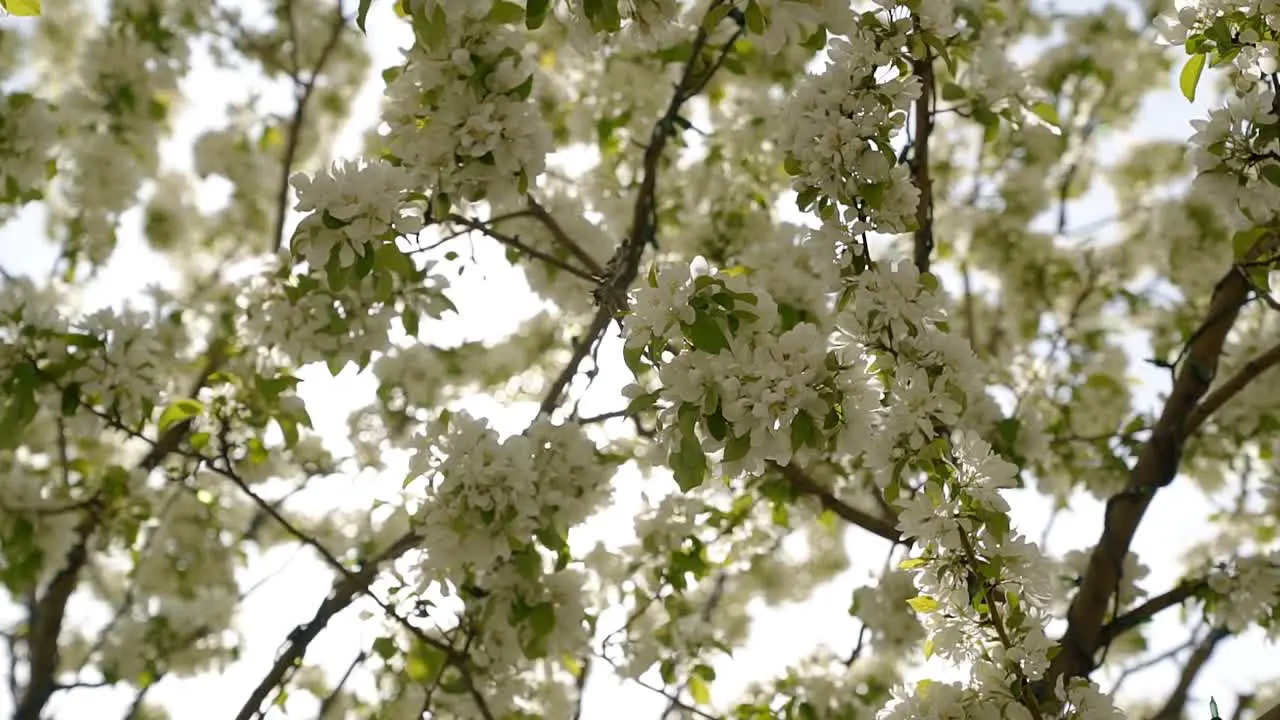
923	245
1156	467
1147	610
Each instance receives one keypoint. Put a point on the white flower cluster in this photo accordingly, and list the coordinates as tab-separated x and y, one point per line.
119	361
1246	593
28	132
1076	562
841	124
491	504
341	316
883	609
721	350
113	119
932	377
353	207
1234	150
460	115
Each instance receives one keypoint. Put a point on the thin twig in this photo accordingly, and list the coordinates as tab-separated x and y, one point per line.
562	237
523	247
1177	702
295	125
865	520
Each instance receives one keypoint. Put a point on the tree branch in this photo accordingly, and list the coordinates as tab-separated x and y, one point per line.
923	244
1174	706
863	519
563	238
621	271
1272	714
516	243
332	697
1232	387
1147	610
344	592
299	116
1156	467
49	611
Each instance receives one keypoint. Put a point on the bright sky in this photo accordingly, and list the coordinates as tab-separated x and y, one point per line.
780	636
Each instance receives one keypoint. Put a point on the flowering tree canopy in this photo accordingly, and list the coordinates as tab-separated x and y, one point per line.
830	248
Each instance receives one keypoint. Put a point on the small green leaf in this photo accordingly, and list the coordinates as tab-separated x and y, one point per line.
1047	113
384	647
689	463
1190	76
911	563
178	411
1271	173
699	691
953	92
803	431
756	20
70	399
923	604
411	319
504	12
705	334
362	12
1243	241
735	448
22	8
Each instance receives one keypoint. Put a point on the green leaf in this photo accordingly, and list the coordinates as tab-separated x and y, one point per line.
705	334
1271	173
735	448
755	18
1243	241
22	8
1190	76
803	431
362	12
805	198
717	426
70	399
504	12
911	563
178	411
953	92
1047	113
384	647
699	691
642	402
923	604
689	463
410	319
